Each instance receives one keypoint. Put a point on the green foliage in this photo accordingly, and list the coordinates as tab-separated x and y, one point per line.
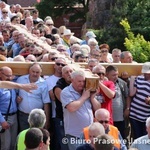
57	8
137	45
138	14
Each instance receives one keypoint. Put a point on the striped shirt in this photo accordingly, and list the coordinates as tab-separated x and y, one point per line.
139	110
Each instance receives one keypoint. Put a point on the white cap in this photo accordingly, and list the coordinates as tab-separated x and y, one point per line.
90	34
146	67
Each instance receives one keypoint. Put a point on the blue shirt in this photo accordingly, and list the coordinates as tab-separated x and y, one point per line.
74	122
5	96
16	49
33	100
141	143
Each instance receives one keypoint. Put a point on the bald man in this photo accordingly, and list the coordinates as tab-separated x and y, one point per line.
103	116
95	129
8	112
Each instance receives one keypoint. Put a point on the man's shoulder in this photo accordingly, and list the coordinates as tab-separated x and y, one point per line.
22	77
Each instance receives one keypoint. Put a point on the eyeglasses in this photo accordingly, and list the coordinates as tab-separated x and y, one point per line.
4	12
54	58
60	64
117	55
8	76
104	51
103	121
37	55
100	73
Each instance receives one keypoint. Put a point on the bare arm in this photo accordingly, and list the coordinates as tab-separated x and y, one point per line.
108	92
57	92
75	105
13	85
95	103
132	89
47	113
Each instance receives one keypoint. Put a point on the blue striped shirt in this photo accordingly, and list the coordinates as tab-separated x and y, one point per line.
139	110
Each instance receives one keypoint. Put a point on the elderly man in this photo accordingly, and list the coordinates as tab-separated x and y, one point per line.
95	129
77	106
39	98
59	124
116	55
121	101
142	143
126	57
8	112
36	119
102	115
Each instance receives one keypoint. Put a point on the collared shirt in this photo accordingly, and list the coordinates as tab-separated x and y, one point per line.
141	143
74	122
9	44
33	100
16	49
5	96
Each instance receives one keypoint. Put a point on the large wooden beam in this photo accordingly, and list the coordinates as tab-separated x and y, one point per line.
131	68
21	68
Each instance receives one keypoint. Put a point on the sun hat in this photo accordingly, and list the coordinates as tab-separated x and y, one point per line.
68	32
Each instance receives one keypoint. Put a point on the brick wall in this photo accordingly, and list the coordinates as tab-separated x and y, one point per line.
23	3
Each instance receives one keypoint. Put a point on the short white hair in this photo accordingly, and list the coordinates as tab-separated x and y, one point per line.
76	73
92	40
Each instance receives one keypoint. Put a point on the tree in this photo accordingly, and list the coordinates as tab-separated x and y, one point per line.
56	8
138	14
136	44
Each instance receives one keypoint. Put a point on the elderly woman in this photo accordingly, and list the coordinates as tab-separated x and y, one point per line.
105	55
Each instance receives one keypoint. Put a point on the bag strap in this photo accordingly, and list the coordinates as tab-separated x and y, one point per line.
6	117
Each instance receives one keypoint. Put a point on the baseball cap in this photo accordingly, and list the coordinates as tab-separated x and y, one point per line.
146	67
90	34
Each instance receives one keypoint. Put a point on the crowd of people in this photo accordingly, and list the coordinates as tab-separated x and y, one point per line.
56	112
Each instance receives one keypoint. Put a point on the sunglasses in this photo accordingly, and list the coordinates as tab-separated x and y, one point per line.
37	55
60	64
54	58
104	51
103	121
100	73
4	12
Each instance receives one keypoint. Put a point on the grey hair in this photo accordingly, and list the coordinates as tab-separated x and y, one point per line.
116	50
37	118
148	122
122	56
99	67
76	73
98	127
92	40
93	60
65	67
